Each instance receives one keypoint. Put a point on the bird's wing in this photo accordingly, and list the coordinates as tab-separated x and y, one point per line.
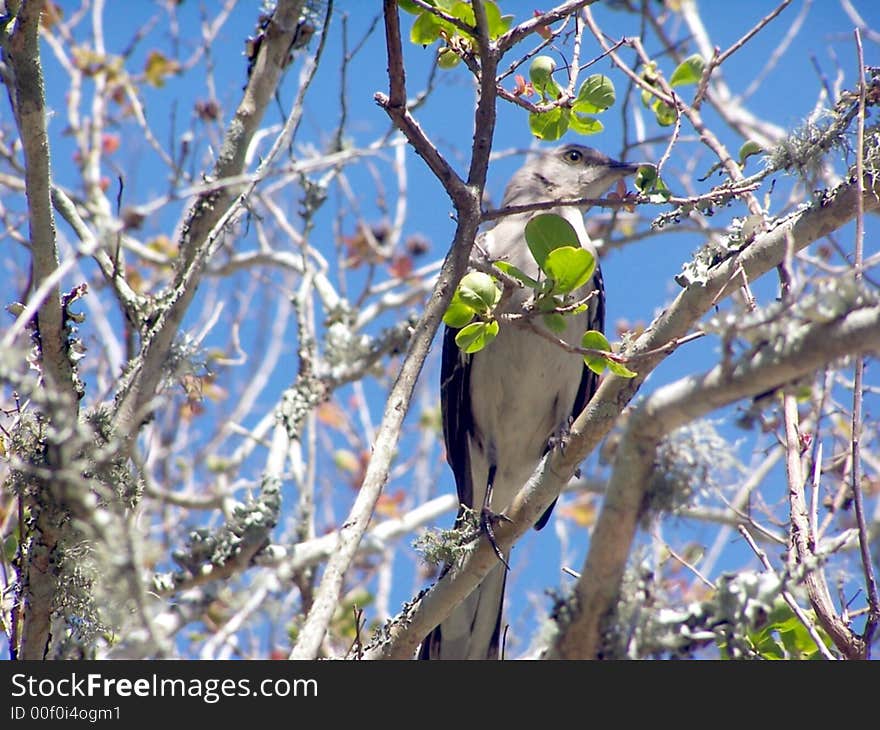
589	379
455	403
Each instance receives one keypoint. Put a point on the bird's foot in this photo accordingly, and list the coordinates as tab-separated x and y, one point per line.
488	520
560	437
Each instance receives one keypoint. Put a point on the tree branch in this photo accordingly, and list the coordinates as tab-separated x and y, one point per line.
30	116
39	578
466	199
516	34
858	392
210	212
800	352
803	541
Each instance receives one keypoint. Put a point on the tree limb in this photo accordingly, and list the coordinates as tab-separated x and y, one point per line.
466	199
210	210
40	568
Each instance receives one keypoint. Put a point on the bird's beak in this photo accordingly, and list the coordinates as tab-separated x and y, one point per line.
624	168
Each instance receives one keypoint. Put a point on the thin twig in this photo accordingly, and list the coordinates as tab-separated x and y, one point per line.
722	57
788	598
693	568
803	542
864	540
780	49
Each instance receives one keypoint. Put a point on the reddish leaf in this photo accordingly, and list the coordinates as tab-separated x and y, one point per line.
401	266
109	143
388	505
523	87
543	30
330	414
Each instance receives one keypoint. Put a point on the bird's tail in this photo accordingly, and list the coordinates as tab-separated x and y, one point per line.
473	629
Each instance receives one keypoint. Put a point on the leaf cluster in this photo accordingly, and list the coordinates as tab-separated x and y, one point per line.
565	269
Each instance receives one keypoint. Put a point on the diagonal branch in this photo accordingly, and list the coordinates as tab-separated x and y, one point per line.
516	34
466	199
803	540
210	212
801	351
615	528
394	104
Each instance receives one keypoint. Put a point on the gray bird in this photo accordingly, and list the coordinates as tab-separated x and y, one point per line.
503	406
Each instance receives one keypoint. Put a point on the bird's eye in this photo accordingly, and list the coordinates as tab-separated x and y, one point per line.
574	155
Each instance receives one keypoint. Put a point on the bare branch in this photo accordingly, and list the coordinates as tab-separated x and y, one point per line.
800	353
788	598
466	199
211	211
858	260
39	575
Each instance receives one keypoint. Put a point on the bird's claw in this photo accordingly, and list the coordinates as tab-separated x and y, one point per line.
488	520
560	438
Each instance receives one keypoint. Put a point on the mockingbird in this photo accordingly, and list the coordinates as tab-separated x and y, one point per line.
503	406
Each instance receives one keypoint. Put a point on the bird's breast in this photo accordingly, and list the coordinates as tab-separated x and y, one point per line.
523	389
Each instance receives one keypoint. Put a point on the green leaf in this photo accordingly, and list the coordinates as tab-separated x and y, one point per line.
498	24
555	322
797	641
651	76
585	125
768	646
646	178
425	30
10	547
785	637
548	303
511	270
664	113
660	193
464	12
158	68
595	95
545	289
595	340
620	369
649	183
457	314
748	149
550	125
689	71
569	267
479	291
541	73
447	58
546	232
408	6
476	336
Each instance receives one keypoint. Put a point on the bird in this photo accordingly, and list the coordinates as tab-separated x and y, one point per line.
505	406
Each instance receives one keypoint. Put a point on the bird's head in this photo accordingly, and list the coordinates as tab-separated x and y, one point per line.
565	172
